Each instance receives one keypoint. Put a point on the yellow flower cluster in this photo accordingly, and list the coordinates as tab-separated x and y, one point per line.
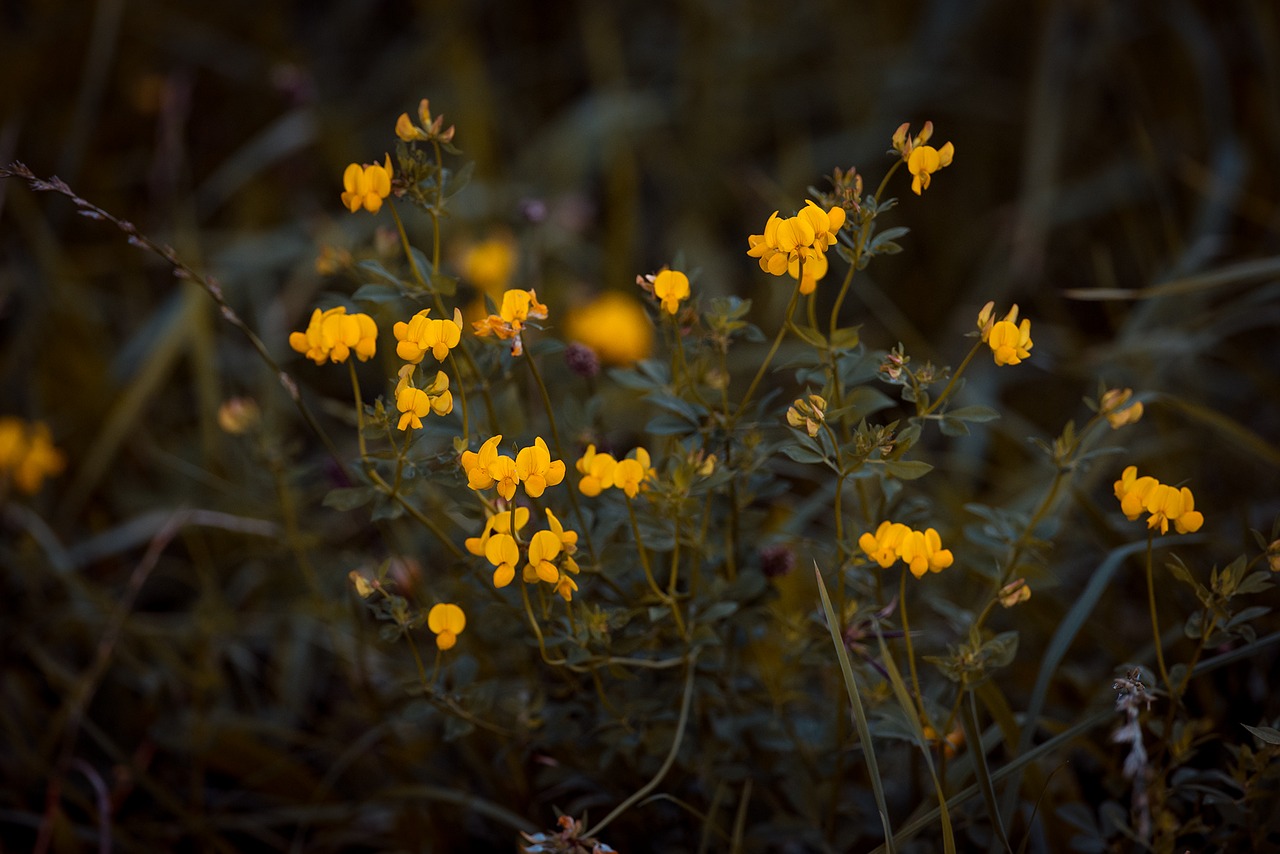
532	466
518	307
922	160
423	334
415	403
27	454
447	621
921	551
1166	504
332	335
1010	342
489	263
548	554
601	471
366	186
798	245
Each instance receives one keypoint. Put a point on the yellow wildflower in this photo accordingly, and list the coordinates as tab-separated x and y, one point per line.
518	307
808	413
597	472
789	244
423	334
366	186
332	335
238	415
1010	342
416	403
490	263
430	129
922	551
671	287
536	470
632	473
1132	491
27	454
924	161
488	468
506	522
502	551
1113	408
447	621
544	548
615	326
882	546
1166	504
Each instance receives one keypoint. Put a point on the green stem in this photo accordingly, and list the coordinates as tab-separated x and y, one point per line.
946	390
777	342
1155	621
648	570
911	654
644	790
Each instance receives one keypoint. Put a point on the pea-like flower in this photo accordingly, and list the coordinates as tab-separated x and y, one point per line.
536	469
1014	592
502	551
447	621
416	403
544	548
922	160
366	186
671	287
1115	407
431	129
1166	504
27	454
505	522
922	551
518	307
797	245
332	335
423	334
597	472
633	473
883	545
1010	342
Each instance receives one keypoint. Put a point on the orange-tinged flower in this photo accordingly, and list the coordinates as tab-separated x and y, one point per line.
1115	407
1010	342
922	551
477	464
797	245
447	621
415	403
27	454
883	545
1014	592
498	523
518	307
366	186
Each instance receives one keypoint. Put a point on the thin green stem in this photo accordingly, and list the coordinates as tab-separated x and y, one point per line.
951	383
777	342
1155	621
670	601
911	653
681	723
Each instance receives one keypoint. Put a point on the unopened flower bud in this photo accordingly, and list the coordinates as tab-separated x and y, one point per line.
1114	407
1014	592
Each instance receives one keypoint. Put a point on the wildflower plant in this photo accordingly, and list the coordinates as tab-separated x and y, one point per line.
609	583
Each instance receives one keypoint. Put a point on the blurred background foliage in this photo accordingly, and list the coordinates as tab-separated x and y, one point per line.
1118	150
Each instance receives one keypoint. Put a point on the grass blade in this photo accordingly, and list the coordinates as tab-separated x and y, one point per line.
973	736
860	717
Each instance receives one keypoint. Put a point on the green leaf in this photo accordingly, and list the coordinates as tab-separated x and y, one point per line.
379	272
669	425
455	181
953	426
810	336
802	454
349	497
907	469
1265	733
887	236
718	611
845	338
378	293
978	414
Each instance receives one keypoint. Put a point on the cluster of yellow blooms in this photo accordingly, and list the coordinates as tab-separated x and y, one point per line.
332	335
797	245
1010	342
532	466
922	551
366	186
601	471
518	307
1165	503
423	334
27	454
548	553
671	287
